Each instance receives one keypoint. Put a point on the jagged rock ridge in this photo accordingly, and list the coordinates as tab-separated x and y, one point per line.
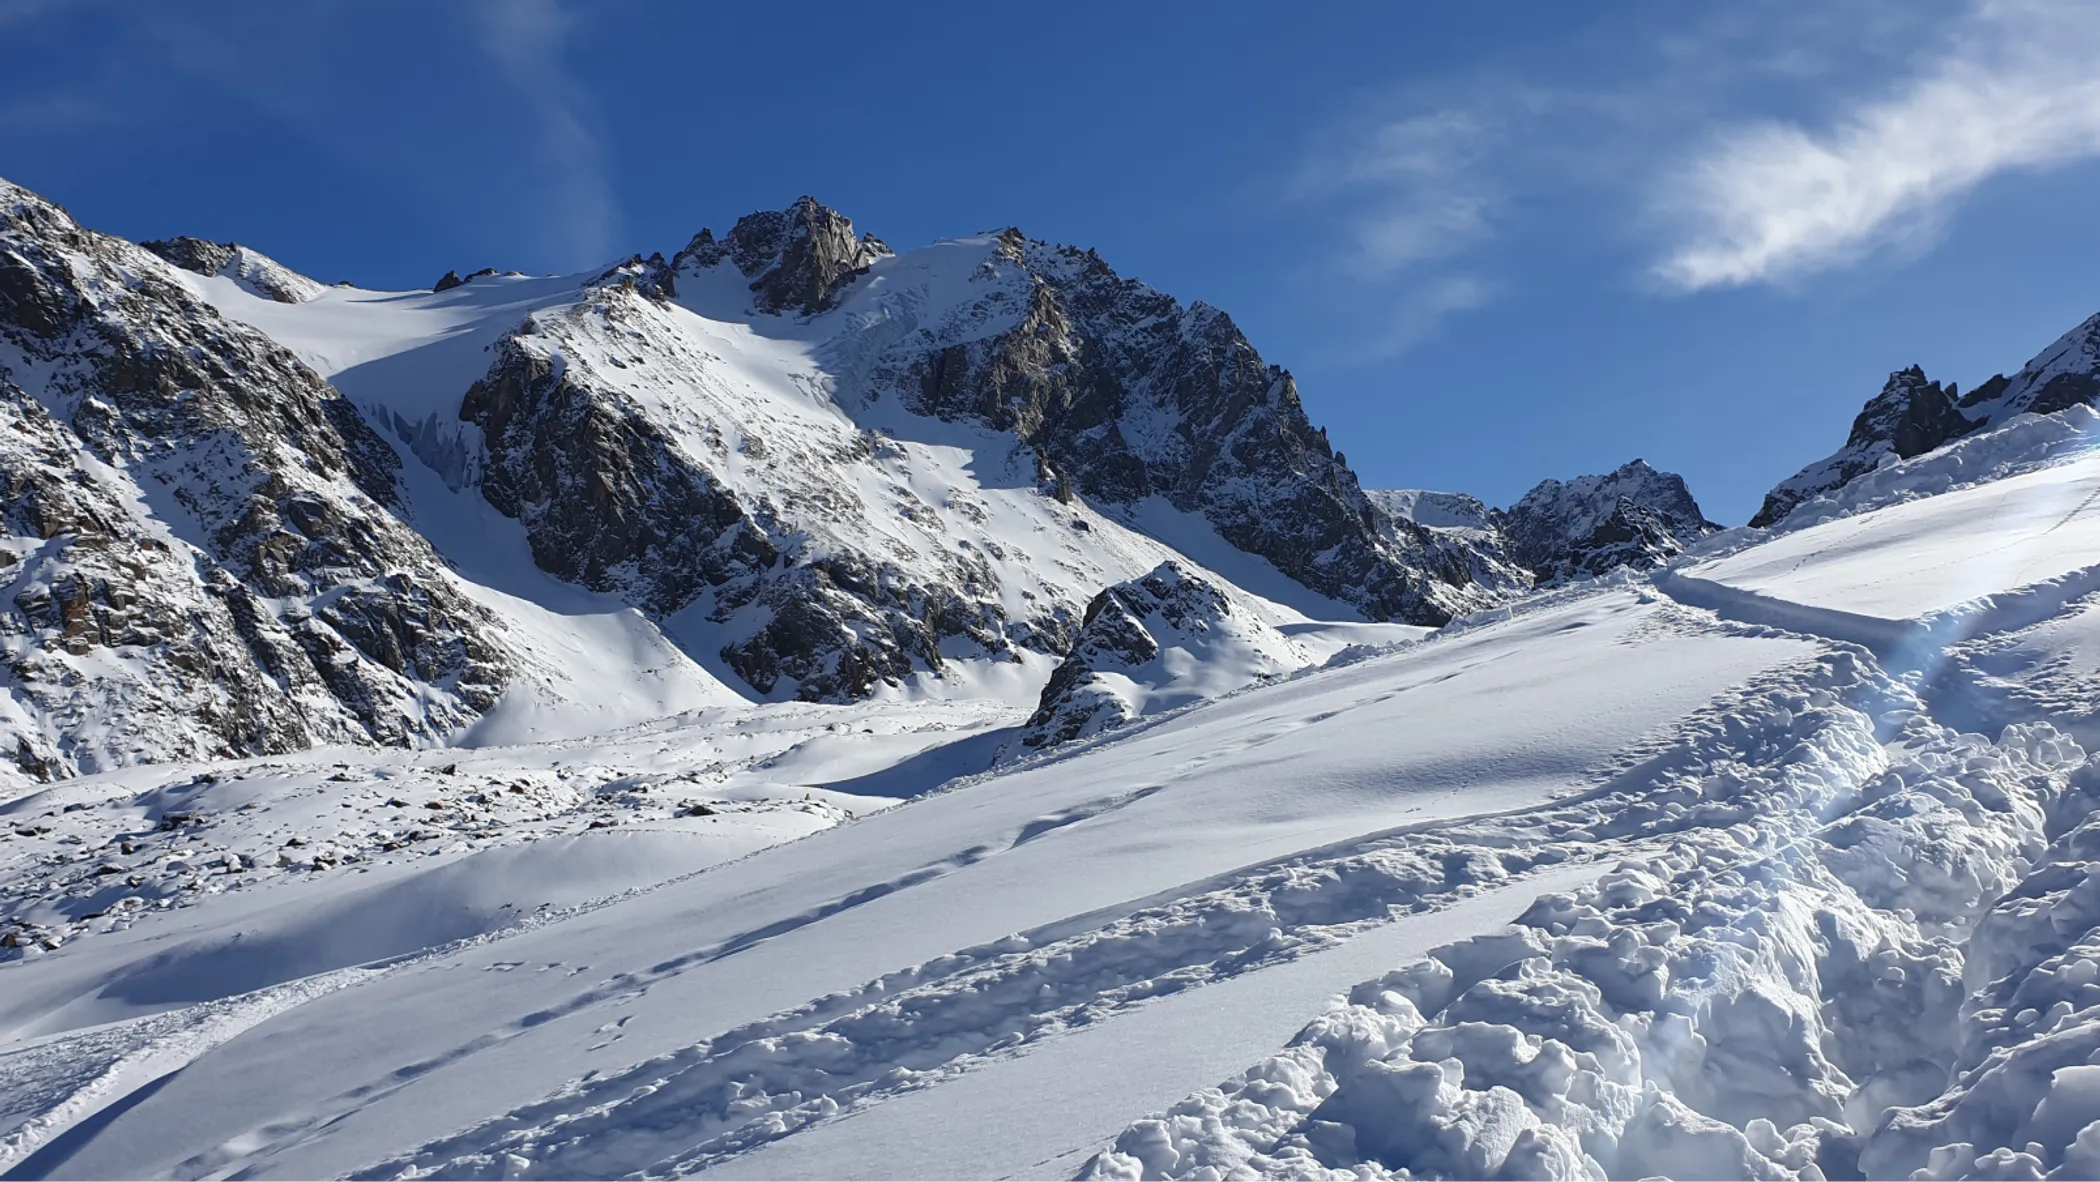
1912	416
254	271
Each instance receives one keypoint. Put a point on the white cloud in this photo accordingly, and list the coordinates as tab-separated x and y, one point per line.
524	38
2013	89
1413	190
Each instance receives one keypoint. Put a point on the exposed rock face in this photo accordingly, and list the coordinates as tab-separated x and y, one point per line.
2063	375
202	549
254	271
797	259
1910	417
1116	671
1588	526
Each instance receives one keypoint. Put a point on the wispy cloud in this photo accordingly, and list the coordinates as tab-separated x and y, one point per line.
1413	189
1409	195
1420	312
2011	88
524	39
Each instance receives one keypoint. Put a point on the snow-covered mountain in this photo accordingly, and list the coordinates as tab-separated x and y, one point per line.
1634	516
785	463
796	709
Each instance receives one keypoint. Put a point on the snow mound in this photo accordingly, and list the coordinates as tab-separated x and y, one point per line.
1434	510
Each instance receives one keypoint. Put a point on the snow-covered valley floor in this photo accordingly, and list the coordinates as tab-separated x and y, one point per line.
1773	865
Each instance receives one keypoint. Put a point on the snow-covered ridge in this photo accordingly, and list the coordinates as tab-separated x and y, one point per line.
1587	527
1912	416
252	271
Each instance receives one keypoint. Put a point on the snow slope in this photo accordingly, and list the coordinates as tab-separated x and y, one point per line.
1793	898
1927	555
1200	853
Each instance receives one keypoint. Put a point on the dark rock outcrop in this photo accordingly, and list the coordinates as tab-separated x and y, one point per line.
797	259
1910	417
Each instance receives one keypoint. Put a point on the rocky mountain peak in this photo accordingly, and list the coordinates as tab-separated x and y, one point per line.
797	259
1911	416
1634	516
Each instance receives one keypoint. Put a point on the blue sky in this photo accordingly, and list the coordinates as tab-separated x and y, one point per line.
1495	242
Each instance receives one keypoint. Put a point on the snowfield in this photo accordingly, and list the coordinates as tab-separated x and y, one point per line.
1777	863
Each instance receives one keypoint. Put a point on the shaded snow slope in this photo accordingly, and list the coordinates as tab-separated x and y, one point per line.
1434	510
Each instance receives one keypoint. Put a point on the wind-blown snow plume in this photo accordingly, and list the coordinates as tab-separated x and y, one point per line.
2014	91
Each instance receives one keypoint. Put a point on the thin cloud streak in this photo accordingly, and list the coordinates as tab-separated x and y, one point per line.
1414	188
524	39
2014	91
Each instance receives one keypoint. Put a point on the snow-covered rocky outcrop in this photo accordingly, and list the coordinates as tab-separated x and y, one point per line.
257	273
1435	510
1635	516
205	557
1912	416
1151	644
